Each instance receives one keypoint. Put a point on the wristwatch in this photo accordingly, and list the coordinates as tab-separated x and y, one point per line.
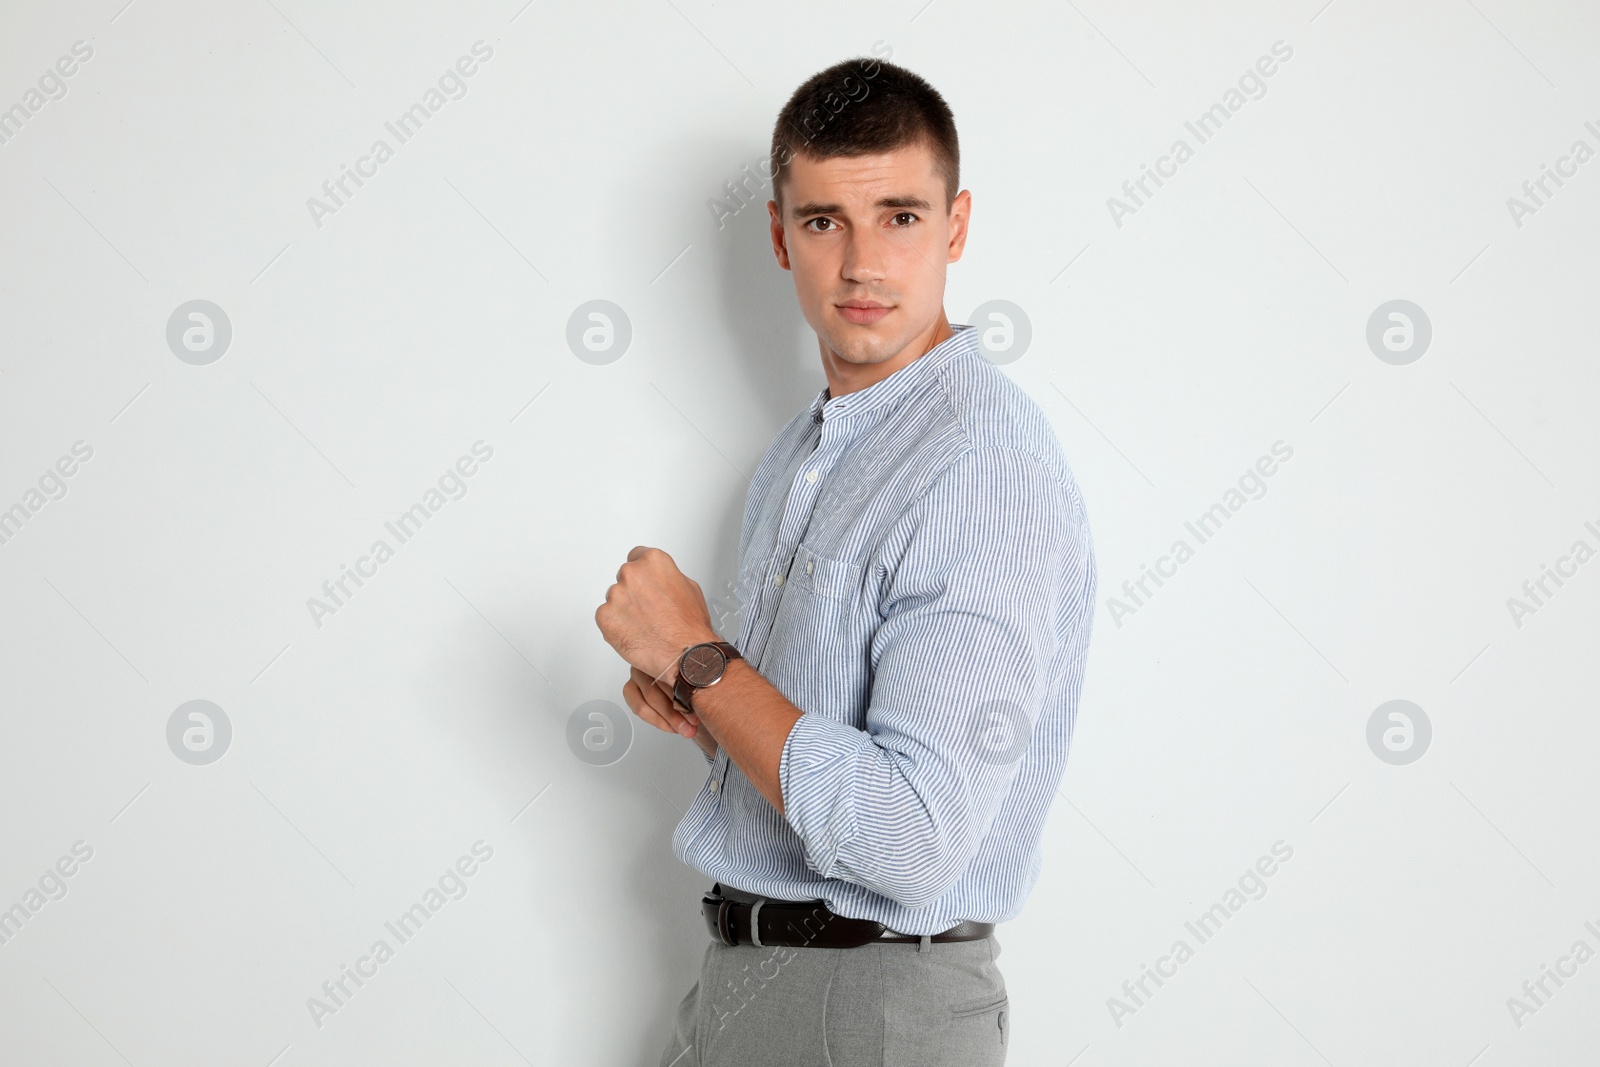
699	666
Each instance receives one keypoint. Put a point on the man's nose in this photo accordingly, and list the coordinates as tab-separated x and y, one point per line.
864	259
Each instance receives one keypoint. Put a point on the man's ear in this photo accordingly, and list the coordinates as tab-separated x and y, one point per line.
960	215
780	247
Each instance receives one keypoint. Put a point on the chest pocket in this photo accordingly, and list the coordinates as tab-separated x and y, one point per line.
834	579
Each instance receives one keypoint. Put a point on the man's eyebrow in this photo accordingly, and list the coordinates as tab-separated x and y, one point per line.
814	208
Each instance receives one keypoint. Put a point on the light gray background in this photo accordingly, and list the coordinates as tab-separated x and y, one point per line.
431	711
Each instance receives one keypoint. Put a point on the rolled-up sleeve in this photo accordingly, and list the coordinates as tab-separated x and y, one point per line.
973	629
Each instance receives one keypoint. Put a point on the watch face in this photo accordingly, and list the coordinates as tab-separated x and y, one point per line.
703	664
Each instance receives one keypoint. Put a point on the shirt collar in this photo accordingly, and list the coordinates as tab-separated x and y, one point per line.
887	391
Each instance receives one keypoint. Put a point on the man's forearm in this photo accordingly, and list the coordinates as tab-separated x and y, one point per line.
751	720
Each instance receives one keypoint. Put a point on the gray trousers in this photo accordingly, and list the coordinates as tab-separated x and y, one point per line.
894	1005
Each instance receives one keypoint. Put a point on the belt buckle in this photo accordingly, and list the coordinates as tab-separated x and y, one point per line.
725	923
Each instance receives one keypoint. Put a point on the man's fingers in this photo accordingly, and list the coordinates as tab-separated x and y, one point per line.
653	705
651	690
643	709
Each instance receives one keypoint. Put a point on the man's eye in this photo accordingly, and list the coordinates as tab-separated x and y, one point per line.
906	215
815	221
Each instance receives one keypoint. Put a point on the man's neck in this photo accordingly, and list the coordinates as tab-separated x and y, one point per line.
845	377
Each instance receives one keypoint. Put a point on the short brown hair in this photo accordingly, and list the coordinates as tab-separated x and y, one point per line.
860	107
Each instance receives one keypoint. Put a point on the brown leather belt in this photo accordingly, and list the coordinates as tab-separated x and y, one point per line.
809	924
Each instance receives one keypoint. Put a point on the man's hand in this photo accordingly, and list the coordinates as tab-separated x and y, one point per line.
653	703
654	612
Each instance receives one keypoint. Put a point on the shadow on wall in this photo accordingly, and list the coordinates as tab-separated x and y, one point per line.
777	361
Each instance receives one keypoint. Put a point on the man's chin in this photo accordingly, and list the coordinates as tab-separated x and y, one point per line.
860	350
862	344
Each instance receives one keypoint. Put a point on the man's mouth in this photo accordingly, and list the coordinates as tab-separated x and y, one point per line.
863	312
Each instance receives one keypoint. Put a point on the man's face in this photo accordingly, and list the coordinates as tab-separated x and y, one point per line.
859	231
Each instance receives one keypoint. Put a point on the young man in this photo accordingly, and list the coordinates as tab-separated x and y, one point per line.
916	582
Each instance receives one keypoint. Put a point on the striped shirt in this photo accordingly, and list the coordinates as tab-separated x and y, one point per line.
915	575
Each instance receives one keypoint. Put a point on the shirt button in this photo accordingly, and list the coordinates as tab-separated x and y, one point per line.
811	476
809	564
777	579
716	786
